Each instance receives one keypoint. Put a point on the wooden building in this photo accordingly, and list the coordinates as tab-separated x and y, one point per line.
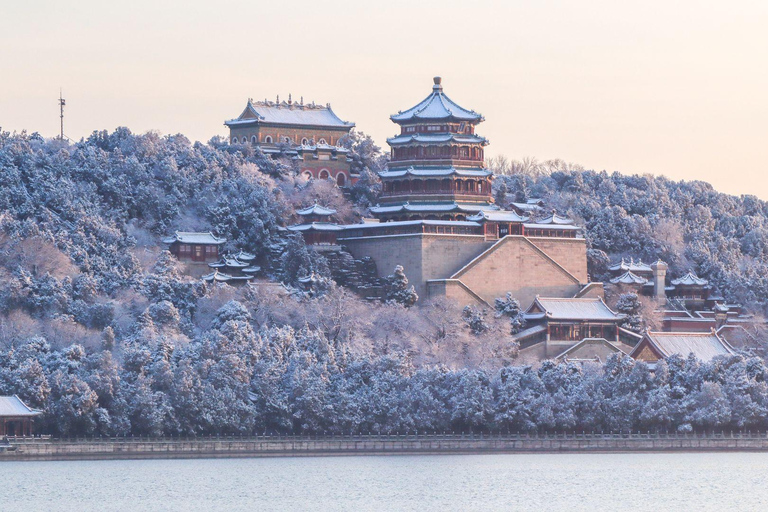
195	247
575	328
310	134
16	418
233	269
691	288
317	228
436	170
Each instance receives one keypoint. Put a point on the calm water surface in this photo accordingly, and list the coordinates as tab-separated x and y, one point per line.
656	482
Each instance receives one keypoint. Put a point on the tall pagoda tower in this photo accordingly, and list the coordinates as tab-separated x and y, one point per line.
436	170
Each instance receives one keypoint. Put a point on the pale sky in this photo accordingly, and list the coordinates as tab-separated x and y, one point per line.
678	88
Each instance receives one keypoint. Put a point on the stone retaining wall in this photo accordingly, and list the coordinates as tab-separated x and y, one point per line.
369	445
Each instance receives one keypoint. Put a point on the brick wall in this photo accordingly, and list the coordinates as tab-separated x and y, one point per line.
570	253
423	257
277	133
513	265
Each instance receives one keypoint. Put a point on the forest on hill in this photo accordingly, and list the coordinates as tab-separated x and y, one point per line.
101	329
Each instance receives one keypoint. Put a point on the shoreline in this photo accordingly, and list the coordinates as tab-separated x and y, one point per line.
290	446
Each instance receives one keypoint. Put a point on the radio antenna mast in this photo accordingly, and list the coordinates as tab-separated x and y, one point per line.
62	102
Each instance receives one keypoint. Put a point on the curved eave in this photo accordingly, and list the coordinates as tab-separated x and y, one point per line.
449	110
434	173
406	140
246	122
448	118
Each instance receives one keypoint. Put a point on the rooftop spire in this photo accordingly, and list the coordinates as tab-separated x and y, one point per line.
438	84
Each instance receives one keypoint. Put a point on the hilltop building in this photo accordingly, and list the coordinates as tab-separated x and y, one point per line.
436	170
310	134
195	249
437	218
317	228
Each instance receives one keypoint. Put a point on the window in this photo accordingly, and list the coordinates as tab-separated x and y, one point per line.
253	140
308	174
268	139
321	141
244	140
341	179
304	141
324	174
287	140
210	249
234	140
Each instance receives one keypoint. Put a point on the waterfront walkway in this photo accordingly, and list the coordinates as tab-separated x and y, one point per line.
282	446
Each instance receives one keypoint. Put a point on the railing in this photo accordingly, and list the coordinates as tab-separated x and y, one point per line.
413	436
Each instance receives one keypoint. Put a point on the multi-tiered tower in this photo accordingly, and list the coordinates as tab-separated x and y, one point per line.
436	171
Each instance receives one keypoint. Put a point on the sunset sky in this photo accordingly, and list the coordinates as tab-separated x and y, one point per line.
678	88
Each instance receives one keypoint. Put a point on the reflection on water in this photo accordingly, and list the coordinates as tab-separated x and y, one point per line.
655	482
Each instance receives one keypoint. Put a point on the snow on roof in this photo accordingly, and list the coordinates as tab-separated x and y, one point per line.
554	218
574	309
268	112
13	406
527	333
631	266
550	226
316	226
629	278
434	207
498	216
221	277
525	207
229	262
434	171
316	209
245	256
690	279
314	147
400	140
587	342
704	346
192	237
437	106
369	225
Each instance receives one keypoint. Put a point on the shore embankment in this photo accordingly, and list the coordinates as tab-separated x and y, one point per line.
298	446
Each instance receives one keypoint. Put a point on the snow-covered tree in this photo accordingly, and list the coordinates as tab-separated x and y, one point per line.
629	304
509	306
398	290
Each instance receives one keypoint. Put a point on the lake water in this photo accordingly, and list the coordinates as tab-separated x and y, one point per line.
548	482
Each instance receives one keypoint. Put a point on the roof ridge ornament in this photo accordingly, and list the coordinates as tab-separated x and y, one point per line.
438	84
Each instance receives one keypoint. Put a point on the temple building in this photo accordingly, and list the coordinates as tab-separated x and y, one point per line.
660	345
195	249
556	328
232	269
310	134
16	417
436	217
436	169
317	228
